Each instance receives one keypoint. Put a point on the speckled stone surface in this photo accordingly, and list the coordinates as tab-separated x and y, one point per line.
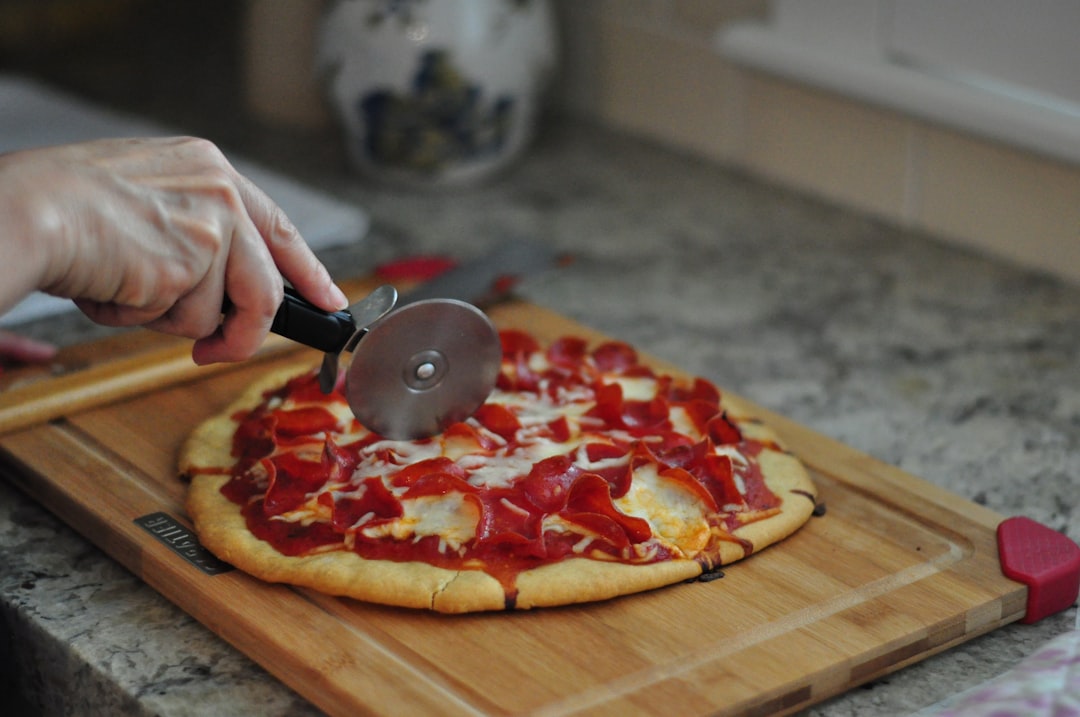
954	367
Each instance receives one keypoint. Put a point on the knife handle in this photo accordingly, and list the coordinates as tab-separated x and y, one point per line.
301	321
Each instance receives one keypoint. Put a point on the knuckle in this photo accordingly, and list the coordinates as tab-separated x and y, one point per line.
268	304
208	236
217	181
202	147
281	227
217	175
222	185
143	294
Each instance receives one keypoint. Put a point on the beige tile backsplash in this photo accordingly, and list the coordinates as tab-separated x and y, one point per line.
842	150
649	67
1003	200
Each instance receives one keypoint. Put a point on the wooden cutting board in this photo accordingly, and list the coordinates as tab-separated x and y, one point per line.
896	570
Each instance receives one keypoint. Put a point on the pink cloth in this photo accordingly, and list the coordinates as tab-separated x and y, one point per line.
1045	684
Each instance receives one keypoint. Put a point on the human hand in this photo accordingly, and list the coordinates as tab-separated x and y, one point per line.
21	349
156	232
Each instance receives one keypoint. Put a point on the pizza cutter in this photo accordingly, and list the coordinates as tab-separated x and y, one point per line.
414	370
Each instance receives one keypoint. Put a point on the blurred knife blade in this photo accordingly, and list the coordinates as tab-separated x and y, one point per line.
491	277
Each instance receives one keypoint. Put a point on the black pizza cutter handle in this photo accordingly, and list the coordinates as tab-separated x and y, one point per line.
301	321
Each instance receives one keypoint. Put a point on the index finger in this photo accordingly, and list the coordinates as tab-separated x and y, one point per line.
291	254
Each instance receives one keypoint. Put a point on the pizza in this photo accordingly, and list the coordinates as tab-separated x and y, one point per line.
586	475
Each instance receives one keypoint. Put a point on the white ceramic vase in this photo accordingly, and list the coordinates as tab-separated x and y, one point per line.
434	93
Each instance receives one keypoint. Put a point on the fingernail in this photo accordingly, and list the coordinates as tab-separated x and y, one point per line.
338	296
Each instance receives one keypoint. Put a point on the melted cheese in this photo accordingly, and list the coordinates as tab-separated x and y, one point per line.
636	388
581	460
681	422
674	514
448	516
506	467
372	465
534	410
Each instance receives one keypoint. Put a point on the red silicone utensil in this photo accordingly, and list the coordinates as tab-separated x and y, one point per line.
1045	560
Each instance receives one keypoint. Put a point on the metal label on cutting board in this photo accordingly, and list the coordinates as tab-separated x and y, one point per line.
182	541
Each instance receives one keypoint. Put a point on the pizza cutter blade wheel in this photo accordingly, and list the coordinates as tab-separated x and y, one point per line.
423	367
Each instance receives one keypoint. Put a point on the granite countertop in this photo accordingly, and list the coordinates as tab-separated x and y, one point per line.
956	368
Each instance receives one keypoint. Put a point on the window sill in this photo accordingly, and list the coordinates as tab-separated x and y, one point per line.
958	102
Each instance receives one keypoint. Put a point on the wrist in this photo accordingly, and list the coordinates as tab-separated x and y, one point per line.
30	227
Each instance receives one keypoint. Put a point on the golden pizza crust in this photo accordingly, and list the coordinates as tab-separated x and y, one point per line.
221	528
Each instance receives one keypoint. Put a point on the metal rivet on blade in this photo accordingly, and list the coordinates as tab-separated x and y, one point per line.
425	370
